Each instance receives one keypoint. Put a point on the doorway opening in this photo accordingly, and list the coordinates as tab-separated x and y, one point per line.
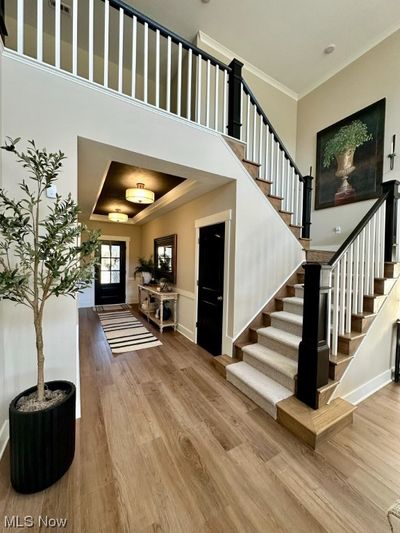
210	302
110	282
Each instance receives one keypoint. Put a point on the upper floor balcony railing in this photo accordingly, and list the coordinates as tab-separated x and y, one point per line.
111	44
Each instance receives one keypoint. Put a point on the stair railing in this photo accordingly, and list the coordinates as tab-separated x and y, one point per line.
110	43
336	291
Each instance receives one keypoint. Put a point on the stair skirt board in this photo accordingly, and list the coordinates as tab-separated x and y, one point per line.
264	391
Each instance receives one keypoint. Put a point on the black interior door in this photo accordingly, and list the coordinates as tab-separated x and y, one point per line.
211	288
110	274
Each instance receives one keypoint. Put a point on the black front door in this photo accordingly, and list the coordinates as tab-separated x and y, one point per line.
211	288
110	274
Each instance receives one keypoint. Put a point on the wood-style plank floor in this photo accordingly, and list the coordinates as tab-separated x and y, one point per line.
166	444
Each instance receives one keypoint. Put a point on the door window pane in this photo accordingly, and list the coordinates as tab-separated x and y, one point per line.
104	277
114	277
115	264
105	250
105	264
115	251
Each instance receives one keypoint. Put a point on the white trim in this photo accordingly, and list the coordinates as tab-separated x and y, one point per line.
4	436
367	389
186	294
186	332
216	218
229	55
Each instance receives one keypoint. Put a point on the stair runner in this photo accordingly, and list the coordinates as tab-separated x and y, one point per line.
268	370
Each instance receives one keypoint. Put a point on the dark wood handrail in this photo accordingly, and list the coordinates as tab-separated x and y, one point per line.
357	230
165	32
255	102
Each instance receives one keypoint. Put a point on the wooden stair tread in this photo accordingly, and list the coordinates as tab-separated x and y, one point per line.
263	180
286	212
310	425
251	162
352	335
220	362
339	358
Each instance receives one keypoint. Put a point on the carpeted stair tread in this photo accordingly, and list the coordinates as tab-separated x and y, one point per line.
279	362
295	300
281	336
263	390
288	317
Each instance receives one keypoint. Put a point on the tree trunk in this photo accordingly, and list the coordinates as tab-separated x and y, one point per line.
40	355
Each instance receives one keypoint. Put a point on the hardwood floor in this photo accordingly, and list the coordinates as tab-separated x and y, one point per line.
166	444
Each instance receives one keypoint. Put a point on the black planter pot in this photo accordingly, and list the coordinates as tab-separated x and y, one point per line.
42	443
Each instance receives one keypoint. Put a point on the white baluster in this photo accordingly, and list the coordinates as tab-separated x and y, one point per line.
146	62
349	288
293	178
90	51
329	311
157	68
356	248
272	174
260	146
296	200
284	182
335	314
248	128
198	89
179	86
106	38
377	243
20	26
278	173
208	82
39	35
254	132
372	252
121	50
266	164
367	271
169	66
216	100
134	51
362	273
382	241
225	124
242	96
289	185
189	86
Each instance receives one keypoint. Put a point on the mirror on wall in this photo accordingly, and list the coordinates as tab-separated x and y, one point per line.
165	257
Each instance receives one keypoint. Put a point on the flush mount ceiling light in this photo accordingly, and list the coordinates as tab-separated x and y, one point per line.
139	195
117	216
330	49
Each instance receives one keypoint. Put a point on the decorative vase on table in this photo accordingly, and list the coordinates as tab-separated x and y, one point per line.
146	277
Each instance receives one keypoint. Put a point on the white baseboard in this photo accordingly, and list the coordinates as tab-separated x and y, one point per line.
4	434
364	391
186	332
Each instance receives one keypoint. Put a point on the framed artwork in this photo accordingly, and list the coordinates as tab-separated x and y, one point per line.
350	158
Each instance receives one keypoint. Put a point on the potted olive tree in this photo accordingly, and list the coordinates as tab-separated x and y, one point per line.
41	256
342	146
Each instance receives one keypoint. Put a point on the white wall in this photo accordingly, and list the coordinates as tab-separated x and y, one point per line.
373	76
54	109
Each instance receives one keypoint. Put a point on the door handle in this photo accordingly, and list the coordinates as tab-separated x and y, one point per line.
220	298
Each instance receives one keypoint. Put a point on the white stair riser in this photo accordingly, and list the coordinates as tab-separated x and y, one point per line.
299	292
270	371
293	308
267	406
278	346
285	325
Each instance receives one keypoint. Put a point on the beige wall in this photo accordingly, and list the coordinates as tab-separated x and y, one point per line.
373	76
280	108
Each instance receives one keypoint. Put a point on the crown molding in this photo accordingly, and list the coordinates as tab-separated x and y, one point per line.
203	38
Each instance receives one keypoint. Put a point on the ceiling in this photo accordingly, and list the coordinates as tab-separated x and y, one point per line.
284	38
121	177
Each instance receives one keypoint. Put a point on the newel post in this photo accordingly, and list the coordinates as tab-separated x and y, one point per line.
235	99
307	194
313	365
3	29
392	205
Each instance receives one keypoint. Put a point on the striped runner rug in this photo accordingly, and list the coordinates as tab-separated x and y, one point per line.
111	307
125	333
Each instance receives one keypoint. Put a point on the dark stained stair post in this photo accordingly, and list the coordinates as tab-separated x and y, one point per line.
307	193
313	363
235	99
392	205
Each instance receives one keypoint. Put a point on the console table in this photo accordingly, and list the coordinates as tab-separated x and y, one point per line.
153	293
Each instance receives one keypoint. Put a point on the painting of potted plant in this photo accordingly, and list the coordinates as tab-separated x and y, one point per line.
350	158
42	256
